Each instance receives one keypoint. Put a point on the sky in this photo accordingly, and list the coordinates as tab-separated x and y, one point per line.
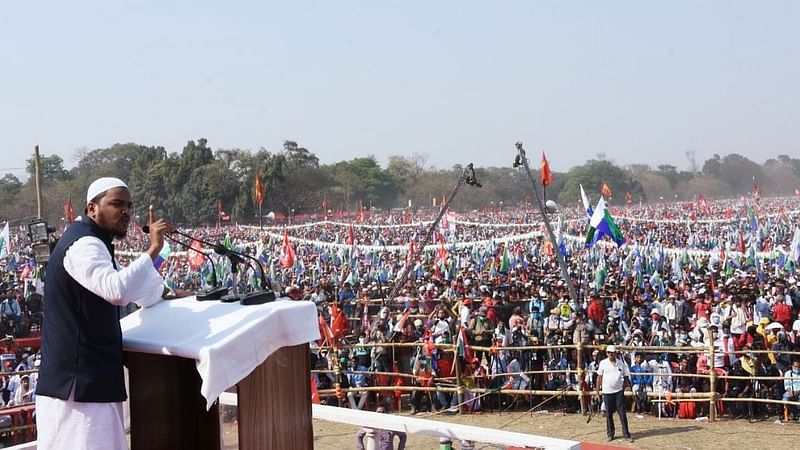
456	81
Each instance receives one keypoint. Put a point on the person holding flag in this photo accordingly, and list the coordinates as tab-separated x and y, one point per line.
81	384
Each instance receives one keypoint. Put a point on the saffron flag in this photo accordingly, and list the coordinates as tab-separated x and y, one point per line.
259	190
287	252
4	242
606	191
703	204
546	174
69	214
602	224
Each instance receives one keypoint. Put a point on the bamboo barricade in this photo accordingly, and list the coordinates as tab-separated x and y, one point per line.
712	396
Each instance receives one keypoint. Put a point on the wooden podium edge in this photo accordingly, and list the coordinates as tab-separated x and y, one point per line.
275	403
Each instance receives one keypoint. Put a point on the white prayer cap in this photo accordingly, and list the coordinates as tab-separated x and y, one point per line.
101	185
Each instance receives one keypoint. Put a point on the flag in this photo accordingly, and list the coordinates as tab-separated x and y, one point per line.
162	256
629	197
702	204
287	252
325	206
797	193
462	343
606	191
504	262
546	174
602	224
351	236
4	242
259	190
585	200
69	214
756	188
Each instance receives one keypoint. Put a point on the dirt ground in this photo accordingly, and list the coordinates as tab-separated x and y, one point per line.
648	432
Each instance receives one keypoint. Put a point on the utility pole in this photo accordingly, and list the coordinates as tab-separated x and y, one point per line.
38	181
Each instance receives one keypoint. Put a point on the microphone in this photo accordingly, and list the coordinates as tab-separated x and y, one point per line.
255	298
213	292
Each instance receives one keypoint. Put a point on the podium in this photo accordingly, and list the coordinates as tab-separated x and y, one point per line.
182	354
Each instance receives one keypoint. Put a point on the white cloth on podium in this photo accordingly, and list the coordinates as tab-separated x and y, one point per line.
227	340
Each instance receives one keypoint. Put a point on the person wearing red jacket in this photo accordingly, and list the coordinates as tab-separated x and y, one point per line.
782	313
596	310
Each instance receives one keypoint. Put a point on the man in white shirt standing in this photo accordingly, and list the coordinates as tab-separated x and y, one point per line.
81	383
612	374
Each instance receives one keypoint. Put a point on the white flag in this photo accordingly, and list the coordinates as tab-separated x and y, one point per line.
4	242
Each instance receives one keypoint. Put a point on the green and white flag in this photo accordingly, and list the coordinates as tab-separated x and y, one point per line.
4	248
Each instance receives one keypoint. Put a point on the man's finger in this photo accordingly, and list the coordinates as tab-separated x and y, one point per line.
151	215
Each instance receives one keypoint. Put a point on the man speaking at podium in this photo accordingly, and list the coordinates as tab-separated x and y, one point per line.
81	382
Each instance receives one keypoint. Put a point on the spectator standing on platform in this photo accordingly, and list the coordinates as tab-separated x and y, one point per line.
612	374
81	385
10	312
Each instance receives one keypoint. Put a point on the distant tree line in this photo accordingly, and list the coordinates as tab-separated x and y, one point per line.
189	187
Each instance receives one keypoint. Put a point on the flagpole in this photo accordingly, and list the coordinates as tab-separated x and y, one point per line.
521	160
260	224
468	177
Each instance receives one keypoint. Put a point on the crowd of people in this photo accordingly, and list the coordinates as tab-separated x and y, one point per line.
690	276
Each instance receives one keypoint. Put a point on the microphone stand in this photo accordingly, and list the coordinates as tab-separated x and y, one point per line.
254	298
467	177
215	291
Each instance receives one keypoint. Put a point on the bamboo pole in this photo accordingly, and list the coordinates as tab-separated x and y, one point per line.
459	387
37	164
712	388
580	377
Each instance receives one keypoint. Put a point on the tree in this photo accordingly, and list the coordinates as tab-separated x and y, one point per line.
592	175
51	168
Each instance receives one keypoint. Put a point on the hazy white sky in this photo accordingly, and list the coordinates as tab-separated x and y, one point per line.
460	81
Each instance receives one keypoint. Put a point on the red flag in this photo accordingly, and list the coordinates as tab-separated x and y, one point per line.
546	174
410	256
325	206
351	236
756	188
606	191
259	190
287	252
326	333
314	391
196	258
69	215
360	215
703	204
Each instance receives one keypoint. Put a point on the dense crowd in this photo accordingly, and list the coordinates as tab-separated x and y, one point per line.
690	276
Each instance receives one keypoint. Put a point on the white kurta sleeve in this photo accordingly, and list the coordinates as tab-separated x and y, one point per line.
88	262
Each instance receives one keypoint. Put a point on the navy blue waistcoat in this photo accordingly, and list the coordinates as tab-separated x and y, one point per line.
81	335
